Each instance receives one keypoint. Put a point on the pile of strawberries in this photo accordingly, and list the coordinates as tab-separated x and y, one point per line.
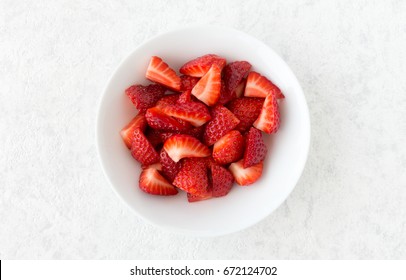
205	133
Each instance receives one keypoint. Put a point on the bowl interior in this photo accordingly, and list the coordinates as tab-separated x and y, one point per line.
244	206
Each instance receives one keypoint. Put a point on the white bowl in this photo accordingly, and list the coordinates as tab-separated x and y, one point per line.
243	206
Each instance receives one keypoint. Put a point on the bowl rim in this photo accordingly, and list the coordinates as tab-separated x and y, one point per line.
195	233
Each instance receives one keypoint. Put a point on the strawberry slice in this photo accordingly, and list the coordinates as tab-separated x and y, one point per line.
192	177
255	148
239	91
142	150
200	66
229	148
188	82
169	168
127	132
180	146
222	121
201	196
268	120
158	71
194	112
159	120
144	97
153	183
233	75
222	181
208	87
259	86
245	176
247	110
167	100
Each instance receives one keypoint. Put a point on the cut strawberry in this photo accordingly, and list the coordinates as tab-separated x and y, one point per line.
127	132
229	148
222	181
159	120
247	110
153	183
222	121
200	197
169	168
157	166
192	177
142	150
188	82
144	97
165	135
181	146
245	176
255	148
239	91
225	96
195	113
167	100
200	66
185	97
153	136
268	119
196	132
158	71
233	74
259	86
208	87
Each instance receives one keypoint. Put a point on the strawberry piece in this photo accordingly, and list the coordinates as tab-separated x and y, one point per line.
222	181
153	183
165	135
192	177
245	176
233	74
201	196
185	97
229	148
200	66
180	146
158	71
159	120
208	88
127	132
222	121
194	112
247	110
239	91
144	97
188	82
169	168
268	120
259	86
167	100
157	166
154	137
142	150
196	132
255	148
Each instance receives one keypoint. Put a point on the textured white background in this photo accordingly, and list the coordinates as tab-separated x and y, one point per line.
56	56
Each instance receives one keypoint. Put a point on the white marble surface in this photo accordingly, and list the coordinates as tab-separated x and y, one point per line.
55	58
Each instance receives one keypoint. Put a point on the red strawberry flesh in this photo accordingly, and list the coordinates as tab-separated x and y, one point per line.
158	71
127	132
222	181
154	183
255	148
195	113
142	150
192	177
245	176
268	120
222	121
182	146
200	66
247	110
208	88
144	97
229	148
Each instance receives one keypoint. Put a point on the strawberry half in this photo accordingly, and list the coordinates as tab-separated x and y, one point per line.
268	120
127	132
195	113
159	120
192	177
247	110
200	66
169	168
208	87
188	82
158	71
142	150
255	148
144	97
222	121
245	176
233	75
167	100
153	183
229	148
180	146
222	181
201	196
259	86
